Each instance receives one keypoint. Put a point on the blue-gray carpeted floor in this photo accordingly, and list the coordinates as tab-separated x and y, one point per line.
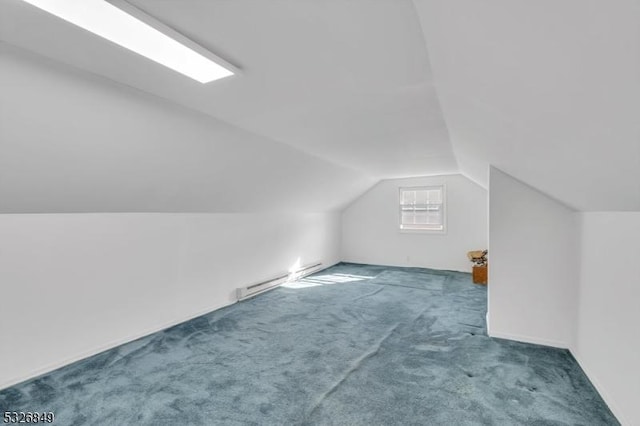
352	345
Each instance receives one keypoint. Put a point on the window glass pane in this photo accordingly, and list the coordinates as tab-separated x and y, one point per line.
434	218
408	197
422	218
407	218
421	197
434	196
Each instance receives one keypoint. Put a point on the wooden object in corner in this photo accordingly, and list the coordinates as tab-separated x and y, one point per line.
480	275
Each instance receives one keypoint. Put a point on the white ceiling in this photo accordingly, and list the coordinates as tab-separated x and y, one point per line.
348	81
74	142
547	91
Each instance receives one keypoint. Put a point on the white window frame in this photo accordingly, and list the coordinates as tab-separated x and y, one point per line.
444	209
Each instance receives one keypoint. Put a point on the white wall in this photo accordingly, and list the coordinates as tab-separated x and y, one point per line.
75	284
82	282
371	226
534	259
568	279
608	344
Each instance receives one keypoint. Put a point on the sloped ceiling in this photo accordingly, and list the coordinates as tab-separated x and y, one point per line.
548	91
74	142
348	81
333	96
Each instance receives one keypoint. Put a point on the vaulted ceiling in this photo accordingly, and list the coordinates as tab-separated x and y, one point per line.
350	91
548	91
348	81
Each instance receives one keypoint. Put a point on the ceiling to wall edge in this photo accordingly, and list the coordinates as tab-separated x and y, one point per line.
425	46
64	66
435	175
552	198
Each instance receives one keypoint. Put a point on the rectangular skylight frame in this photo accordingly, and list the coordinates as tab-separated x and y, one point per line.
127	26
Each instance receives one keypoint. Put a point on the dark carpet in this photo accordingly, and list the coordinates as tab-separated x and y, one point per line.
351	345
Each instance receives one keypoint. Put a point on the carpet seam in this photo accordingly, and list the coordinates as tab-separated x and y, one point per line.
358	363
351	370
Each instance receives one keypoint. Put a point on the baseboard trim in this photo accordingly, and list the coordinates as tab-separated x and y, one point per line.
115	343
400	265
242	293
615	409
528	339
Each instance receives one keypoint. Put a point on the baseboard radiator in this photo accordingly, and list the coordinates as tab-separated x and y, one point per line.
254	289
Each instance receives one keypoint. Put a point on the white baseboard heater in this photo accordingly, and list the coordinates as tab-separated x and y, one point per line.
254	289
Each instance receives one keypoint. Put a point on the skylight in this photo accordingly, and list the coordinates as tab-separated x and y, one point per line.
114	24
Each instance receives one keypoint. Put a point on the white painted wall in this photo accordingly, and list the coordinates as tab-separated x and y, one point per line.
371	232
608	344
75	284
534	259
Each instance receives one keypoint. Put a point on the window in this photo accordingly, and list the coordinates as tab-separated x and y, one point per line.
422	209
